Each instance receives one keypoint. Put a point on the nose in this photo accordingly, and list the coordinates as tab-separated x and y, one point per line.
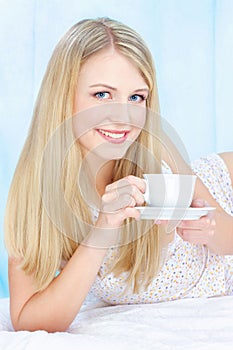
117	113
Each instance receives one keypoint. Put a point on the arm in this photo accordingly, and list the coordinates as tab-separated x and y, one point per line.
222	241
216	231
54	308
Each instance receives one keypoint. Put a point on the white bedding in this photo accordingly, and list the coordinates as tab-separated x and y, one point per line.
182	324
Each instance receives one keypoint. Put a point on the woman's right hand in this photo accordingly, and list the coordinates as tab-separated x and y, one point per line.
119	201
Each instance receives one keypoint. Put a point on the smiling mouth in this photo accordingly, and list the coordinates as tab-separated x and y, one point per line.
114	136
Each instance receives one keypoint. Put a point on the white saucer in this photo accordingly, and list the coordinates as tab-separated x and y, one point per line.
160	213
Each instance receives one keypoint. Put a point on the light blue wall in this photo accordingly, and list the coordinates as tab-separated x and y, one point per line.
192	44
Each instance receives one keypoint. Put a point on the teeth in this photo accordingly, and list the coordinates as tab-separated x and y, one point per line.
110	134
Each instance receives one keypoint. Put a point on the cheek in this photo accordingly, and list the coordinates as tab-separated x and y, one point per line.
138	116
80	103
85	121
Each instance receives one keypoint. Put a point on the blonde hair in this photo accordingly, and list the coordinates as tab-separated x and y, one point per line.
30	233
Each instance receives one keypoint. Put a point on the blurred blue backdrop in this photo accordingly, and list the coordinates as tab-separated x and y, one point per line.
192	45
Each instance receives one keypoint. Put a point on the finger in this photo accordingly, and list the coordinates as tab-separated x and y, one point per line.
195	236
132	212
128	180
117	195
211	216
125	213
198	203
117	185
202	223
124	200
115	219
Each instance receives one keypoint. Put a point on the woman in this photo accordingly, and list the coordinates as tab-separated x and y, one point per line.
102	73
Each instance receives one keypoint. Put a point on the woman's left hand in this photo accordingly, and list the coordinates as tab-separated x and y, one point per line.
198	231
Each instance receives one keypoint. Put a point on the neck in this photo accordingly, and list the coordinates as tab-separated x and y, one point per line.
104	176
99	172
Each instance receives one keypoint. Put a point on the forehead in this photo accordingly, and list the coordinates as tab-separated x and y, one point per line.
110	64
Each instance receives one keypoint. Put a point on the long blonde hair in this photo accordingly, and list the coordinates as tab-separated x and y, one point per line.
29	231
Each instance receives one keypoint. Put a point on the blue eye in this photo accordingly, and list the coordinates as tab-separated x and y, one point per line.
102	95
137	98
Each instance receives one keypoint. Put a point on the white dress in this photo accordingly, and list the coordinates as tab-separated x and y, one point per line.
189	270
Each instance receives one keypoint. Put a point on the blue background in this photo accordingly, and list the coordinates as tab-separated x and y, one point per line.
192	45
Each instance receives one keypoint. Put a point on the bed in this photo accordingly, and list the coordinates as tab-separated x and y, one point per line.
181	324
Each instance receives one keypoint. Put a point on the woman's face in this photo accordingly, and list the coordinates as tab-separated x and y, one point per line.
109	104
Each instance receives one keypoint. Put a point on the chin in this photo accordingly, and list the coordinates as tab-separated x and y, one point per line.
115	156
113	153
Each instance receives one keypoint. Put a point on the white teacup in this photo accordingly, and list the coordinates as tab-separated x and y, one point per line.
169	190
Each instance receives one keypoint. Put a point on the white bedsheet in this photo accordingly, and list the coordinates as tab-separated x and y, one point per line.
182	324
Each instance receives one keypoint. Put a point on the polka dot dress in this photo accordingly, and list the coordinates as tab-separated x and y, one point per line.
214	174
189	270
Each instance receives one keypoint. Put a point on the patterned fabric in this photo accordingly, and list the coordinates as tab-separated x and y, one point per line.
189	270
215	176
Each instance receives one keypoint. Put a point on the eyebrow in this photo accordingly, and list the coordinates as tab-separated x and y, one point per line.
114	89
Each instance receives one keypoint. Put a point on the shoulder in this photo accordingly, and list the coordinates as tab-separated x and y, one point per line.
228	160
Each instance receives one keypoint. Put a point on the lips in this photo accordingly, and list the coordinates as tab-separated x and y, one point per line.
113	136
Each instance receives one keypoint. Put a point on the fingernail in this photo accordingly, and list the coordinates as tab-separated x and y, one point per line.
213	222
211	233
157	222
